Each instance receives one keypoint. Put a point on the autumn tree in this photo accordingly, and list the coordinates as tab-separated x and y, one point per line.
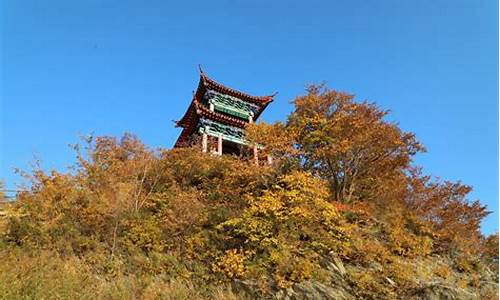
490	250
341	203
455	220
290	228
278	139
349	143
366	158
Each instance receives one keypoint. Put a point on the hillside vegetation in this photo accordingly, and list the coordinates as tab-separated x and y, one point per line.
342	213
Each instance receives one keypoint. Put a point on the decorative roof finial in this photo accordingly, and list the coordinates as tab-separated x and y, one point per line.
201	70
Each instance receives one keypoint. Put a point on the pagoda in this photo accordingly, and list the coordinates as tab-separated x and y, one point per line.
217	117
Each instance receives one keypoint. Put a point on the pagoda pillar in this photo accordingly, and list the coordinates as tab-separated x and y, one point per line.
204	142
256	155
219	145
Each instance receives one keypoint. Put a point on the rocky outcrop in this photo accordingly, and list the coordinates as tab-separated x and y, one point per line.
340	285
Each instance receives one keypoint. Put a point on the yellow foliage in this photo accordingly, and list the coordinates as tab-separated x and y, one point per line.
343	188
232	263
371	286
442	271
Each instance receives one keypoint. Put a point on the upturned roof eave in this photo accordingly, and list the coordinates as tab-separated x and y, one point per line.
210	83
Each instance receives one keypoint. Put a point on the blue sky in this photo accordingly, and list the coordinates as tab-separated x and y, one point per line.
107	67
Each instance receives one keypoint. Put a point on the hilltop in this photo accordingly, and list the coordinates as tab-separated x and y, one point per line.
342	213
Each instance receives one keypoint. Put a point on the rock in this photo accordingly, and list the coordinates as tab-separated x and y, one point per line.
334	265
317	290
338	283
391	282
340	266
441	292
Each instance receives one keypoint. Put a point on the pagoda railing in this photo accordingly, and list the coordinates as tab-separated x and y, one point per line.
229	133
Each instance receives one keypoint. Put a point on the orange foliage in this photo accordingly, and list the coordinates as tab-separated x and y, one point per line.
343	189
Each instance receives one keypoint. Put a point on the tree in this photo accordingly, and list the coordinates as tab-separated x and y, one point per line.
490	251
349	143
290	227
455	220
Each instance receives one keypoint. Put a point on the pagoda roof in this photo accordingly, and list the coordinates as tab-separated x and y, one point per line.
197	110
211	84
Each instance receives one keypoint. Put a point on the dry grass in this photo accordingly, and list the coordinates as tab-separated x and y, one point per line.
48	276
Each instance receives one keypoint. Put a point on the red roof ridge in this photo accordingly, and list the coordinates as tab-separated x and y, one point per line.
209	82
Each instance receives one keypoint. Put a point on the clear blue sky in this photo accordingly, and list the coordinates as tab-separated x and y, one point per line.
108	67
